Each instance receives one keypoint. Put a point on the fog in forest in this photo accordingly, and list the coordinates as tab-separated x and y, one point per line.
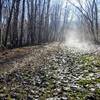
33	22
83	32
49	49
74	39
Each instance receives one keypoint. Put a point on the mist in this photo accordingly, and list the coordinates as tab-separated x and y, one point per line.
77	40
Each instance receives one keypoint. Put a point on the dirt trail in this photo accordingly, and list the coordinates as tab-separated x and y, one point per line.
20	57
49	72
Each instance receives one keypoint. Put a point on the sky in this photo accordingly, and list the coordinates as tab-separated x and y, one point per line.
74	1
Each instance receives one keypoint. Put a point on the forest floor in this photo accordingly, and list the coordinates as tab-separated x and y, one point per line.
49	72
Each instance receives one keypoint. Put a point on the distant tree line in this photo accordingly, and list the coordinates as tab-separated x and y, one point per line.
31	22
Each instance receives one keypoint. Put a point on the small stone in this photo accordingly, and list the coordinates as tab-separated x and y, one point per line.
2	95
64	61
32	91
74	87
65	81
92	89
93	78
85	71
88	77
15	96
55	93
4	88
91	74
30	97
36	96
58	89
66	88
98	85
97	75
64	98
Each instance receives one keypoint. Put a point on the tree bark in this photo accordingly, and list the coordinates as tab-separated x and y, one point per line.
0	20
8	23
22	23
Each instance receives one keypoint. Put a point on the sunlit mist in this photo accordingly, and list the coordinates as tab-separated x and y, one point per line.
75	40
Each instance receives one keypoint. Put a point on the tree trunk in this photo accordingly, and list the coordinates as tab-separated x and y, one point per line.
8	23
47	21
15	25
31	23
96	22
41	23
22	22
0	20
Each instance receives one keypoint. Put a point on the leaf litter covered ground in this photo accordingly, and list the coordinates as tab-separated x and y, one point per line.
49	72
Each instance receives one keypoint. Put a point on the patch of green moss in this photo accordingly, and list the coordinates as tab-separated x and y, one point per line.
85	82
97	61
97	80
48	88
98	71
90	59
77	95
87	59
97	91
89	62
9	98
46	93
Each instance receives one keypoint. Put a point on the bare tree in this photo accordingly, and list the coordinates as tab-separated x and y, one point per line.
15	24
90	14
42	20
22	23
0	19
1	5
47	21
8	23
